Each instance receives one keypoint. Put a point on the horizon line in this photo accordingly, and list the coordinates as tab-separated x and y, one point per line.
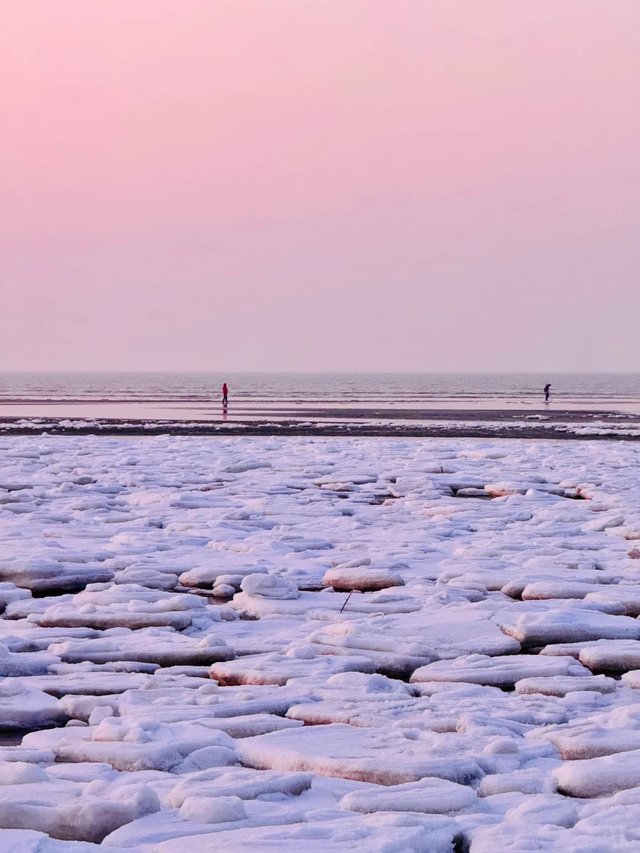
186	372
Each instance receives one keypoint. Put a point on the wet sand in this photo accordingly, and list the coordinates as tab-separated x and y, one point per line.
545	423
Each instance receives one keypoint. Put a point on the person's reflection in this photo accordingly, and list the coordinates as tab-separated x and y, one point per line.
224	412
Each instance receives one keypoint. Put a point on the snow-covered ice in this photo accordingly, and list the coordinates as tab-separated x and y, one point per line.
378	644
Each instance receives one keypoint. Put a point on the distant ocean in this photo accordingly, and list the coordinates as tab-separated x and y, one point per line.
612	390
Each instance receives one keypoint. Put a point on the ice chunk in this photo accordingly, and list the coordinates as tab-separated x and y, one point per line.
566	625
278	669
381	756
612	655
269	586
365	579
501	672
213	809
559	685
23	663
23	707
433	796
596	777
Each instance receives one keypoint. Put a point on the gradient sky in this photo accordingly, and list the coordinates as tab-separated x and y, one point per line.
320	184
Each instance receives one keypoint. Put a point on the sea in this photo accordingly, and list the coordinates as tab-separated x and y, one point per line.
256	396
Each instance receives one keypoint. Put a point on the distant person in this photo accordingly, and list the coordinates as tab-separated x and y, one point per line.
225	395
547	392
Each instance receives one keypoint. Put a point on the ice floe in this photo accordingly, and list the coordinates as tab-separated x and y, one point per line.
377	644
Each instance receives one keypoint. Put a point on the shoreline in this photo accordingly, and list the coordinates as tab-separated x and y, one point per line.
366	423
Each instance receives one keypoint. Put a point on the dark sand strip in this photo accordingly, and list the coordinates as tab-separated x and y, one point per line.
334	422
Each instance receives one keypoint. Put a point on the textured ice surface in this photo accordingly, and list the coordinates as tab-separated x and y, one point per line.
498	671
24	707
415	649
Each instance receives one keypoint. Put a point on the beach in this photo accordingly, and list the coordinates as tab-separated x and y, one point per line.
329	405
320	427
408	423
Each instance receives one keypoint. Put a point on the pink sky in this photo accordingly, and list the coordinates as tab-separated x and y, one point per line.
320	184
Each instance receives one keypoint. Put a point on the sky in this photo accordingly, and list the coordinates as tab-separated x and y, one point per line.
302	185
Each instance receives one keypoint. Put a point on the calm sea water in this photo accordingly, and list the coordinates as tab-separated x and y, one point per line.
339	389
336	388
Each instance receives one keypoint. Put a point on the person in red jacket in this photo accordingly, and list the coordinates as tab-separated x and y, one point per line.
225	394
